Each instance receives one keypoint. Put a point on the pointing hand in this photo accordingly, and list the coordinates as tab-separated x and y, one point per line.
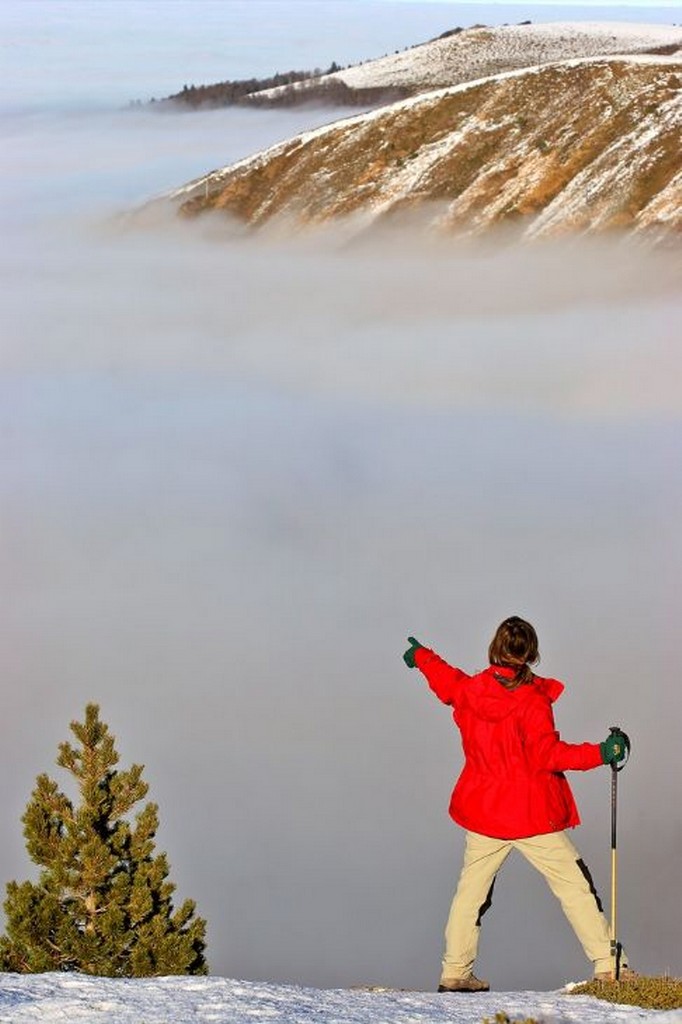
408	656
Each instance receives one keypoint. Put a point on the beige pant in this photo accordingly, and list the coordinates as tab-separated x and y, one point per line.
555	857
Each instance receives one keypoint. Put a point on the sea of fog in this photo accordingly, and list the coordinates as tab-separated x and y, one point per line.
237	472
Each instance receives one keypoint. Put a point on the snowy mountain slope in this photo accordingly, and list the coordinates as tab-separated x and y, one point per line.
29	999
586	145
480	52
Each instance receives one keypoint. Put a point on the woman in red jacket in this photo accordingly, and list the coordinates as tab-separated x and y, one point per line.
512	794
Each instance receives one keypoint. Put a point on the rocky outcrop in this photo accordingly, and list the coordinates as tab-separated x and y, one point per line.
586	145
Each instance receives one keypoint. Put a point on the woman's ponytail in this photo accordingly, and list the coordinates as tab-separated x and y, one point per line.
515	645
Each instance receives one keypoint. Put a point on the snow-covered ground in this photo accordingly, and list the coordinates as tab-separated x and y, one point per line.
478	52
68	997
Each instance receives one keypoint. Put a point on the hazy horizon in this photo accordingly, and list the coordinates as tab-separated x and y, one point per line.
237	473
121	55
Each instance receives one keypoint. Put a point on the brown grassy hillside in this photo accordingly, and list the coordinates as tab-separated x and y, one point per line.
584	145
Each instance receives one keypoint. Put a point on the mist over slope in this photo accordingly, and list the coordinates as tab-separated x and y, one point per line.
588	145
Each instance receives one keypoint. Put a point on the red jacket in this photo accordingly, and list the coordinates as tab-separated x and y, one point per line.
512	784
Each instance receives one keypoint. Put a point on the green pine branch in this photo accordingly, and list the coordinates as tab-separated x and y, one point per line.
103	903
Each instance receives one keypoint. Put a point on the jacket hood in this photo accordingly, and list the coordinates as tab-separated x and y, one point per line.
489	699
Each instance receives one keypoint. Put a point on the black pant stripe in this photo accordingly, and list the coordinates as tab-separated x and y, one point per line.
485	906
588	878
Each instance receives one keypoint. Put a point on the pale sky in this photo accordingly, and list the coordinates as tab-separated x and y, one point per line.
675	7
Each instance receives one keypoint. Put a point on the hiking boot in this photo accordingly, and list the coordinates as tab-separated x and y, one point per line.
468	984
625	974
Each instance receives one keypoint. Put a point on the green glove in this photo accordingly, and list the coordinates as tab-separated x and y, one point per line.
614	748
408	656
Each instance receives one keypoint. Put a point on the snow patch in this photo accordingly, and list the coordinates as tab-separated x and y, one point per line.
478	52
45	998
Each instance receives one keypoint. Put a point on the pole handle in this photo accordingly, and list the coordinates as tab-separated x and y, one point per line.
628	746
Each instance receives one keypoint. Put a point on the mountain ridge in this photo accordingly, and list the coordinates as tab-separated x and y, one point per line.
588	144
457	55
481	51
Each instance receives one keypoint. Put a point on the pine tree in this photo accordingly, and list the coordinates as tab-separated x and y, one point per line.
103	904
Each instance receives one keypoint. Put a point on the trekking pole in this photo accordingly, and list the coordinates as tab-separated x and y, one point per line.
616	946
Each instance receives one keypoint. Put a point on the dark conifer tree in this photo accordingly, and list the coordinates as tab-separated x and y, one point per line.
103	903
